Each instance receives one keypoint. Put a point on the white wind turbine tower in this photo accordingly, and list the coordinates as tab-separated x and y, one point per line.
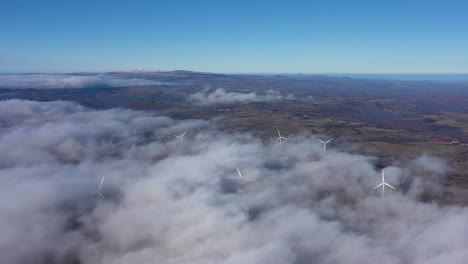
180	136
324	143
280	138
238	172
100	196
383	184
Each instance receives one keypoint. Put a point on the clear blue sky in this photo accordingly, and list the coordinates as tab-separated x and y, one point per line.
235	36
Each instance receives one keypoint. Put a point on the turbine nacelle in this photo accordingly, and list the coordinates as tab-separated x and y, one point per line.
383	184
280	138
324	143
181	135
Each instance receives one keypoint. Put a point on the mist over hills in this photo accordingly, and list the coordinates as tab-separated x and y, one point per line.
182	201
415	112
68	81
173	201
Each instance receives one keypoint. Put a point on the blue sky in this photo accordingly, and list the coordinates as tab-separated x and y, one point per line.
235	36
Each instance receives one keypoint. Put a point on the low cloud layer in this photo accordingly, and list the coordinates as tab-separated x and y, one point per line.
49	81
220	96
182	201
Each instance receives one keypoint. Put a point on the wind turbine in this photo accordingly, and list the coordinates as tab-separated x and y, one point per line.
324	143
180	136
238	172
100	196
383	184
280	137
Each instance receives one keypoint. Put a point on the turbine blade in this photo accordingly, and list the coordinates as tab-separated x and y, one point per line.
238	171
328	140
279	139
390	186
183	134
100	184
101	196
279	134
377	186
320	141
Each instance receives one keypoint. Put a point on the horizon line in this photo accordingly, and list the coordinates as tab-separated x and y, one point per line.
238	73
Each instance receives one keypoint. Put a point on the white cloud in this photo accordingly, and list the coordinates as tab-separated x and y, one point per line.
49	81
182	202
220	96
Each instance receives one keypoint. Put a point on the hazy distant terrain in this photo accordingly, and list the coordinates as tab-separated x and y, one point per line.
388	118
